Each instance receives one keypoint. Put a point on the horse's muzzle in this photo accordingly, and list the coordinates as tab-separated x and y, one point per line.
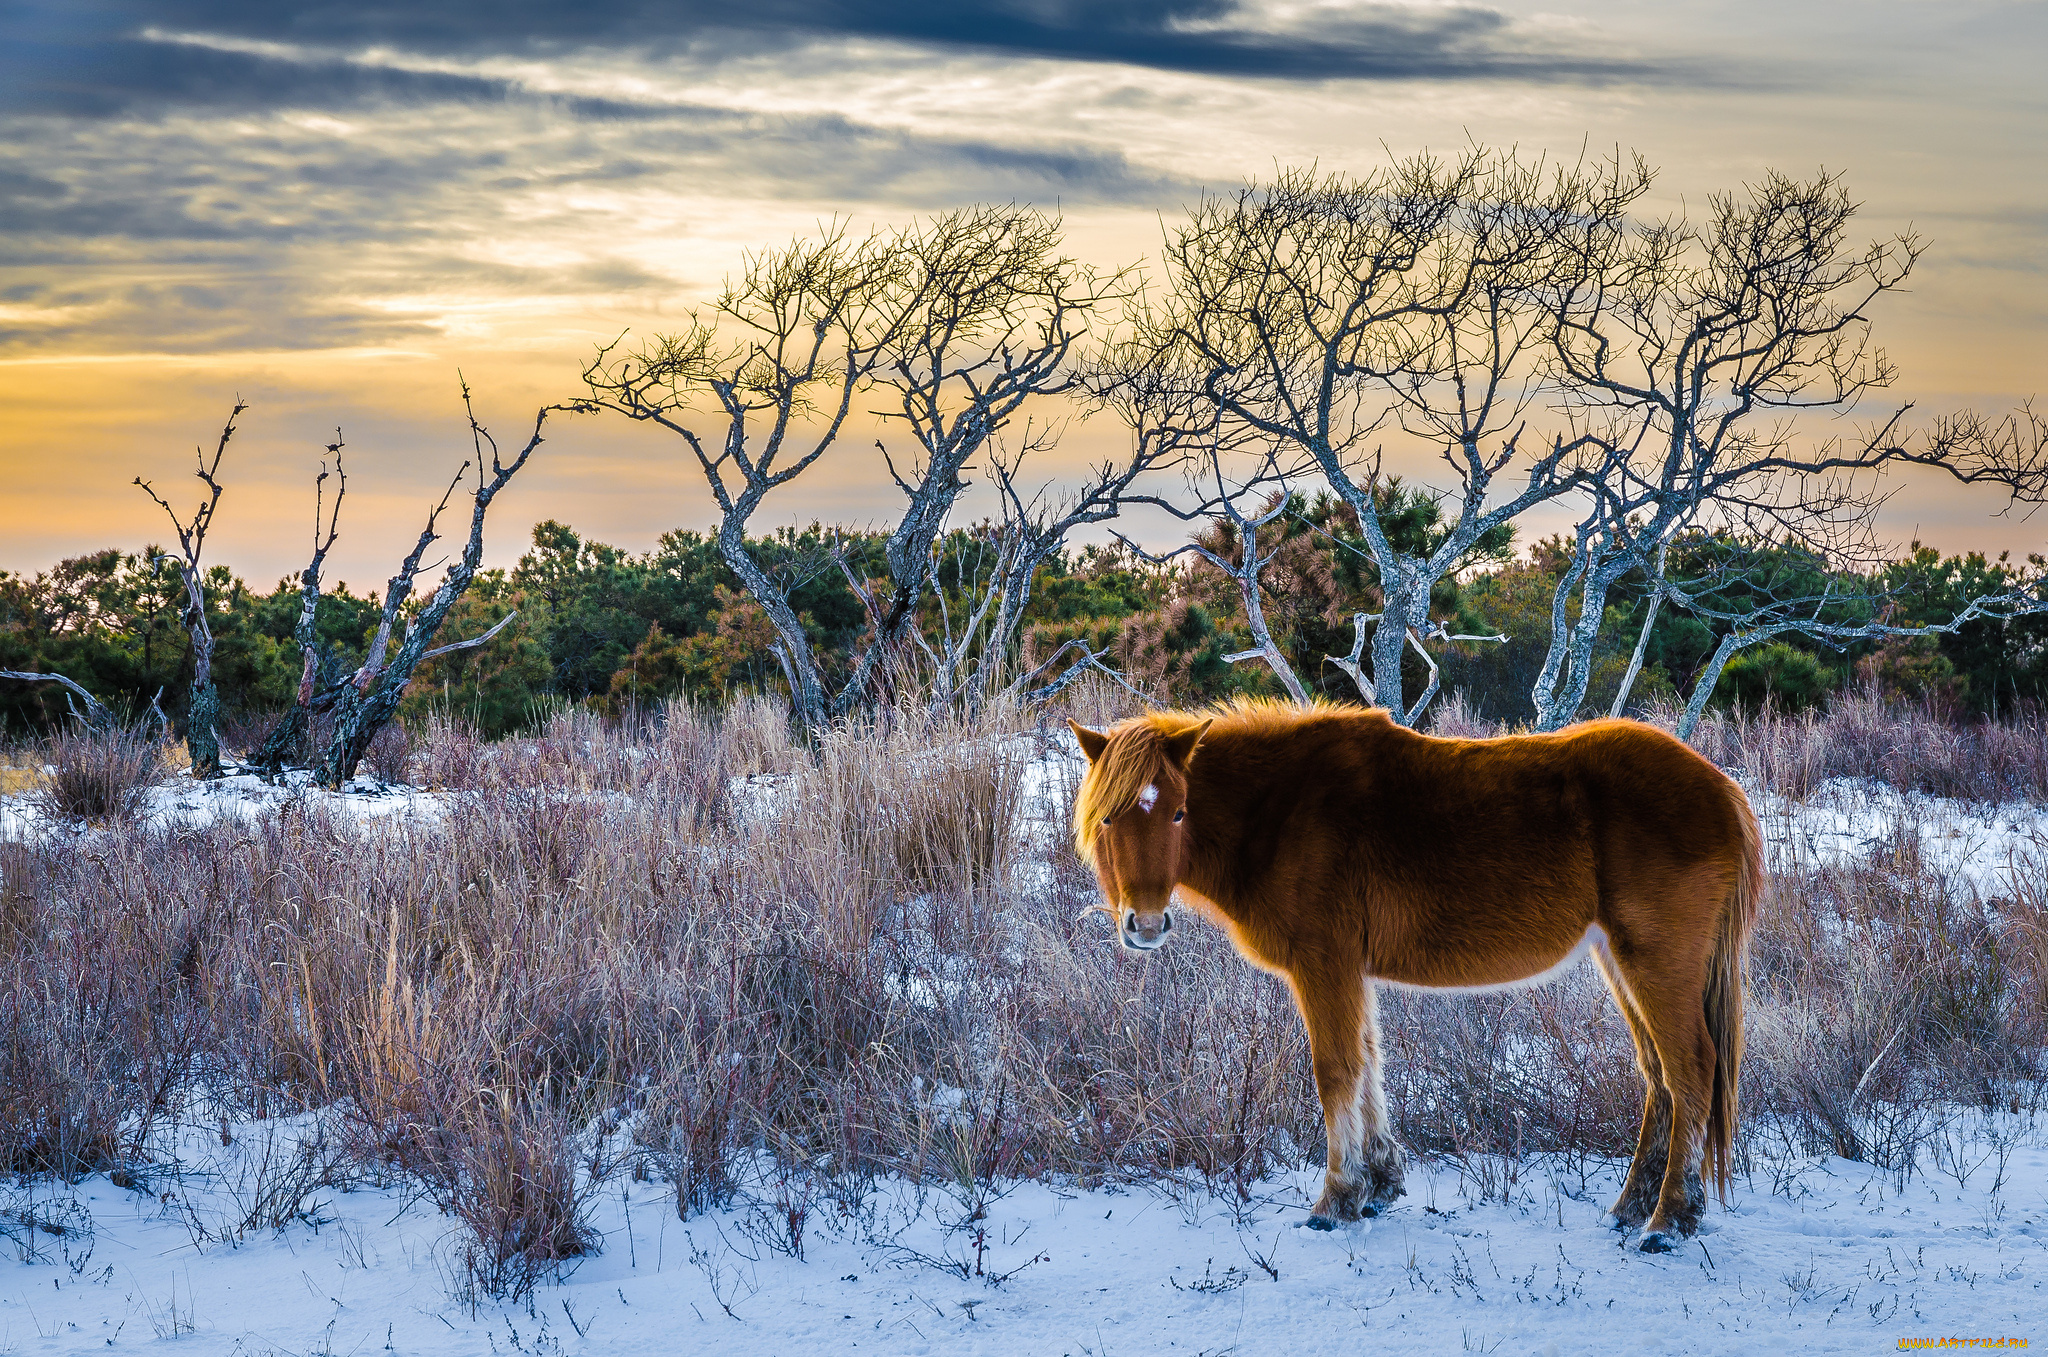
1145	932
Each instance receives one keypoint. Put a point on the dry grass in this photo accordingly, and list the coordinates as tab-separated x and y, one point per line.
1882	993
1453	718
1905	746
683	945
97	776
389	756
19	773
96	1036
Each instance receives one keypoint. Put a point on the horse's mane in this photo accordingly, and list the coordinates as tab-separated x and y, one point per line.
1137	752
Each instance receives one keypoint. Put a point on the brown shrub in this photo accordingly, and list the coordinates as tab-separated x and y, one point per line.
449	755
100	1022
99	775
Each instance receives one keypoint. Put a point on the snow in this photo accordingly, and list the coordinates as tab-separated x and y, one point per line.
1829	1257
185	801
1967	843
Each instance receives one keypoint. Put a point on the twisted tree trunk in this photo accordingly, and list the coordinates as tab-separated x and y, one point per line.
368	702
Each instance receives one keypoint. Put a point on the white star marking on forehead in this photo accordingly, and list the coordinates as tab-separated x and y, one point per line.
1148	798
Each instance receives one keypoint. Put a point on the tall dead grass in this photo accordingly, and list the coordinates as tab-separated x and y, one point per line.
683	945
98	775
1910	747
1882	994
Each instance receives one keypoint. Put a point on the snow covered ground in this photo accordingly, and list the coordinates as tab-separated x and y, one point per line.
1830	1258
1816	1256
246	797
1968	843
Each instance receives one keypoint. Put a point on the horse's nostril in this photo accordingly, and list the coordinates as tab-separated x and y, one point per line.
1166	923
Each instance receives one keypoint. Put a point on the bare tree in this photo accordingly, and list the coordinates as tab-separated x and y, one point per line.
1247	562
1684	352
1653	603
203	710
981	559
798	323
1322	312
963	320
973	658
290	740
1169	418
1430	631
2010	452
1777	607
997	322
1043	530
368	700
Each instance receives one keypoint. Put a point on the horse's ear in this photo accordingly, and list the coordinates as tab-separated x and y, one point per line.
1181	748
1093	742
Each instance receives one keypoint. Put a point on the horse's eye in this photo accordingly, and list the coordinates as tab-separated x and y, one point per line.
1180	815
1107	818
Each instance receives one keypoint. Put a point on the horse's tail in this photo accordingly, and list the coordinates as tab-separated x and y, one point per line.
1723	998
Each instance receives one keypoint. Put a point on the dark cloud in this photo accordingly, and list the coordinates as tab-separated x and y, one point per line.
1211	37
23	185
117	75
836	159
90	60
403	178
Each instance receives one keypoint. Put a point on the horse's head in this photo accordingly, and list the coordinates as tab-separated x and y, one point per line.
1130	821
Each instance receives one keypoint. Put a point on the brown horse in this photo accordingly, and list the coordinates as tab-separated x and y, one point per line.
1339	850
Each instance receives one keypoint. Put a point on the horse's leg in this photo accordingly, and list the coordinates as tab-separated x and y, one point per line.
1378	1148
1670	999
1334	1007
1646	1170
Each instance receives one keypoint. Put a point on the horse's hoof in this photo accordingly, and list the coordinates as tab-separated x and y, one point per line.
1321	1223
1657	1241
1613	1221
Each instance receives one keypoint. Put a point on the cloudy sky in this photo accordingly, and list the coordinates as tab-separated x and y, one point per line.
331	208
